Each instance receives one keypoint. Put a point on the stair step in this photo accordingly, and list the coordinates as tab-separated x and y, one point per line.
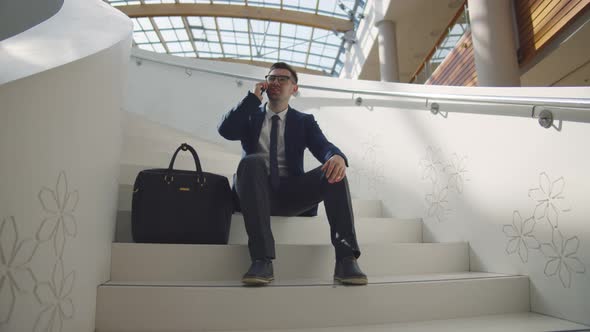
186	307
174	262
212	161
517	322
361	207
140	132
140	144
308	230
287	282
316	230
282	282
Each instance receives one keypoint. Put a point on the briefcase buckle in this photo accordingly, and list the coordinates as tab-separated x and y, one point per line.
199	180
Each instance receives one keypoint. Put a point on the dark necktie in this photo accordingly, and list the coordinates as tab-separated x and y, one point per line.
273	160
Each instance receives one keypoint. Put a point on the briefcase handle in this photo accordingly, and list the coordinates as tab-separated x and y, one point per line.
185	147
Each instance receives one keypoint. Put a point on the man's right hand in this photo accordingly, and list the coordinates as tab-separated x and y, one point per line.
258	89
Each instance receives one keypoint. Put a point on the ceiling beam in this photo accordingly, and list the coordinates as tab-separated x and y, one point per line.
267	65
218	36
309	46
191	37
255	13
250	39
157	30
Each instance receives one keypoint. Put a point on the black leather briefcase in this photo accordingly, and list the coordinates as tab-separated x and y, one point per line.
179	206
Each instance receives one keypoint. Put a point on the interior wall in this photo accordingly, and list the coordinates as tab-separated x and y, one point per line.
517	192
60	141
21	15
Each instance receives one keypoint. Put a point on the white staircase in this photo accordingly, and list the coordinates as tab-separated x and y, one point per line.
166	287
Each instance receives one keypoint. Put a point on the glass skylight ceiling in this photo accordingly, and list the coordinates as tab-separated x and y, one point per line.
248	39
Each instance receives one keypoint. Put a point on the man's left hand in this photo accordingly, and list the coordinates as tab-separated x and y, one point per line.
334	169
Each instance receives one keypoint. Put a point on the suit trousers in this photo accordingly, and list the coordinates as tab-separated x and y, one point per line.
295	195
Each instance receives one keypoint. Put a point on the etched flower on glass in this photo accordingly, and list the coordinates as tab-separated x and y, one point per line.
60	204
457	172
375	177
437	202
15	276
55	297
430	164
562	258
548	197
521	236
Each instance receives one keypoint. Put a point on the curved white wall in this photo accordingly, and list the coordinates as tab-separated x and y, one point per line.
475	178
79	29
60	141
19	16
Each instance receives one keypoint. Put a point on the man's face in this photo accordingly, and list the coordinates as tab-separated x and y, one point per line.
281	91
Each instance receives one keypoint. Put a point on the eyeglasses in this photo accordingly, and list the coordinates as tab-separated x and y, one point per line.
282	79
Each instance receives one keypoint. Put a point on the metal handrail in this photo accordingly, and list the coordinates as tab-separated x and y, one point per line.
528	101
432	101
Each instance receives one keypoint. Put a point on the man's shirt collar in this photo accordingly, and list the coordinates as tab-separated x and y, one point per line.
281	114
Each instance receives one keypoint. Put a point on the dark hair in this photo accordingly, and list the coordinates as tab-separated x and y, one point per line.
282	65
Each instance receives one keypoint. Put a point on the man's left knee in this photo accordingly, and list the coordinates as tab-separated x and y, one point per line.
342	182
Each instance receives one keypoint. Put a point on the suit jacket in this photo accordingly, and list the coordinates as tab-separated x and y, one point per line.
244	123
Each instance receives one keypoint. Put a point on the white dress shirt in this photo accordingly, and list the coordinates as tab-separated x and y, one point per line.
264	140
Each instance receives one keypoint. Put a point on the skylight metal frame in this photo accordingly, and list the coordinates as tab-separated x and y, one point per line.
321	51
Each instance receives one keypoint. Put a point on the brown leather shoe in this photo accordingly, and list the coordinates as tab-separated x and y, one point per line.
348	272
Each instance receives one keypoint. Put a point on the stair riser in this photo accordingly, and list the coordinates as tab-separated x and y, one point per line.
318	231
145	144
361	208
213	163
145	262
163	154
308	230
124	308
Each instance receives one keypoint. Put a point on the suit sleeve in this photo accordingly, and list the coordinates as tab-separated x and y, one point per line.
234	123
317	143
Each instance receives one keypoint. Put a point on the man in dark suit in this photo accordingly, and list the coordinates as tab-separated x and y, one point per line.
270	179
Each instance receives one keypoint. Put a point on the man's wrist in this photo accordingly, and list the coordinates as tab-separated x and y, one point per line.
252	100
332	154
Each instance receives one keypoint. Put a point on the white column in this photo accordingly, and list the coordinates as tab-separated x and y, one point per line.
388	51
494	42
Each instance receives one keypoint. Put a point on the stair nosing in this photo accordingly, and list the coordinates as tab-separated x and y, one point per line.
373	244
289	283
